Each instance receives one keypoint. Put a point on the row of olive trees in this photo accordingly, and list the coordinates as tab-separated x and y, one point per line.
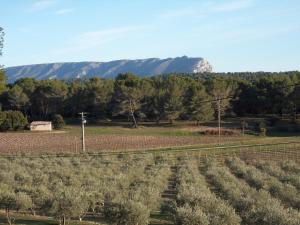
52	187
287	193
254	207
273	169
196	204
134	203
68	189
290	167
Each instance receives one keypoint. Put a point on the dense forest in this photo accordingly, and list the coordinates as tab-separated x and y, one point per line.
169	97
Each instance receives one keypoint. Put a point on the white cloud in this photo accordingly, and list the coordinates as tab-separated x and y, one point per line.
41	5
233	6
64	11
206	8
96	39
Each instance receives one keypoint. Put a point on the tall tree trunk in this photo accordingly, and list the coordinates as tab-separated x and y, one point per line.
8	218
33	211
132	114
158	120
295	111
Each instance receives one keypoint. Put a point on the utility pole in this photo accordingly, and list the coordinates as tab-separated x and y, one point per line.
219	119
83	121
244	125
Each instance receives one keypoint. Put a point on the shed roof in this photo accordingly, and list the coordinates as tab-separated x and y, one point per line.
36	123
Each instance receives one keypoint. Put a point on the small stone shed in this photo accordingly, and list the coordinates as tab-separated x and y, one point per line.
41	126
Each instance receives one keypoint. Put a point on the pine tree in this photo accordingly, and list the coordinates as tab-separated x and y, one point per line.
220	89
128	95
198	106
173	98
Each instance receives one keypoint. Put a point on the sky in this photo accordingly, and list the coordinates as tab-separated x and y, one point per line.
233	35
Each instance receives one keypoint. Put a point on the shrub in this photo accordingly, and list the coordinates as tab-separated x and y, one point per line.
2	117
225	132
58	121
127	213
290	166
261	127
23	201
12	120
262	131
185	215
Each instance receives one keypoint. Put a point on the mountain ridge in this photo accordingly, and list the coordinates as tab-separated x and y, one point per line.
141	67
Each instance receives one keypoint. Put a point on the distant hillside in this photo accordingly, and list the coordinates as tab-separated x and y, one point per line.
142	67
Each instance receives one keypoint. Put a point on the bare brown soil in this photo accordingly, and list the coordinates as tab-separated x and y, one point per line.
65	142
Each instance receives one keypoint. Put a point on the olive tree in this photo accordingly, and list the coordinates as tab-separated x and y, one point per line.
124	212
7	202
69	202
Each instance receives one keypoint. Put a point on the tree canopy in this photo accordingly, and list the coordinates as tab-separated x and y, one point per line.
172	97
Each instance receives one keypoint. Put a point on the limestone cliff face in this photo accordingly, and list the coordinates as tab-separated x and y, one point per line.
141	67
203	66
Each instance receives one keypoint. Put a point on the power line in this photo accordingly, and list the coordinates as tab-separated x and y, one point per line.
218	101
235	97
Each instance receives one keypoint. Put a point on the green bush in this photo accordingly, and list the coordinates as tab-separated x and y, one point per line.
58	122
261	127
127	213
12	120
185	215
263	131
2	117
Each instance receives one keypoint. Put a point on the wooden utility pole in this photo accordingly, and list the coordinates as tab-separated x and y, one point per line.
244	125
219	120
83	121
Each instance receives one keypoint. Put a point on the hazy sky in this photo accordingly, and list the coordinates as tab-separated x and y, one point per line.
233	35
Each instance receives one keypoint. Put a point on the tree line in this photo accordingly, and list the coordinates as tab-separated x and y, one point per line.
169	97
